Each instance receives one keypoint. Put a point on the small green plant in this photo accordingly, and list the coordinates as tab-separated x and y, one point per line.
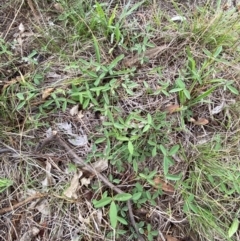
204	206
114	208
151	233
4	48
168	161
5	183
194	78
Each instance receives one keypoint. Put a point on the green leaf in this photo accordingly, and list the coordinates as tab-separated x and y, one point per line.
85	103
110	21
102	202
163	150
125	13
122	138
143	175
187	94
118	125
115	61
149	117
130	147
136	196
154	233
173	177
233	228
194	208
122	220
152	174
100	140
122	197
21	105
175	90
217	52
113	214
154	151
174	150
95	43
202	96
148	194
135	165
30	95
233	89
20	96
165	165
146	128
180	83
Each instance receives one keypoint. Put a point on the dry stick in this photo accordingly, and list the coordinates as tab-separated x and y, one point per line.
17	205
46	141
80	161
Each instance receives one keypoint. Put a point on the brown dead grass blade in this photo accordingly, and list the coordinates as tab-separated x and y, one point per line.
172	108
47	92
150	54
171	238
199	122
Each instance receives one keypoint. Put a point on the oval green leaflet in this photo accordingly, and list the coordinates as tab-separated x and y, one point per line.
102	202
113	214
233	228
122	197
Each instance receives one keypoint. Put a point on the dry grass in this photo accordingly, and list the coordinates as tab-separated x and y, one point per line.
134	111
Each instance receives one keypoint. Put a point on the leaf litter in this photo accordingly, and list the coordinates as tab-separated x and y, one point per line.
71	191
132	61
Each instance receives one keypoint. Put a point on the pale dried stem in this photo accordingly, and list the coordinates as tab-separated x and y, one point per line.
80	162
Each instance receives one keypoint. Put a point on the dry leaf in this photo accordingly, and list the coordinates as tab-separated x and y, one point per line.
99	216
48	181
65	127
71	191
21	28
12	81
44	207
53	75
20	41
29	235
58	7
218	109
100	165
82	219
80	115
201	122
74	110
167	187
170	238
150	54
172	108
191	120
47	92
76	140
178	18
79	140
85	181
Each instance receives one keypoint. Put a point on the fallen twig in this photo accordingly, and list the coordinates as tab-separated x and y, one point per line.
45	142
17	205
80	161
